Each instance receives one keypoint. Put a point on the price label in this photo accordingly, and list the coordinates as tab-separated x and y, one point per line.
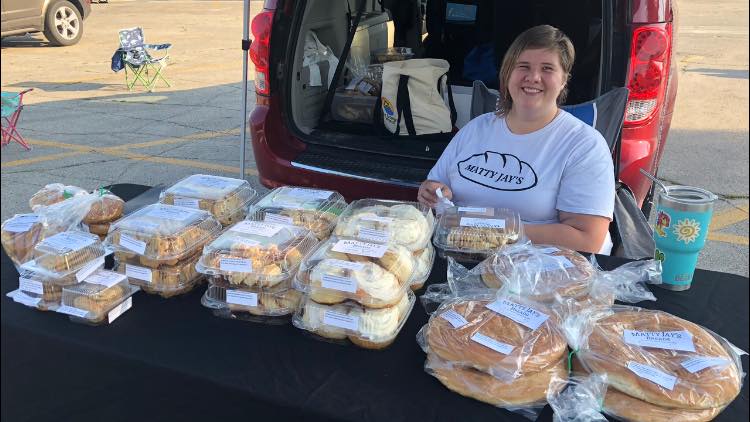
132	244
455	319
24	299
347	265
373	235
493	344
519	313
138	273
555	263
258	228
236	265
343	284
30	286
473	210
279	219
239	297
699	363
337	319
377	219
119	309
216	182
69	310
485	223
106	278
167	212
69	241
652	374
187	202
89	268
309	193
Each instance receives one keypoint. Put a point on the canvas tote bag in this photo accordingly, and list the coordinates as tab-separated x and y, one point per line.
411	97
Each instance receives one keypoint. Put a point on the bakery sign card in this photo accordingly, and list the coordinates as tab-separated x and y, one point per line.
670	340
519	313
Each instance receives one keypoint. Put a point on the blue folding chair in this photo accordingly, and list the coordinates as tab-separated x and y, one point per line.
136	59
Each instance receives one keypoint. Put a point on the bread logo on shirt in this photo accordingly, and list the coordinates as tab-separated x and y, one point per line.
498	171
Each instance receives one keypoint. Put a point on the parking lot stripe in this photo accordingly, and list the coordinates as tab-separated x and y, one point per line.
40	159
729	238
729	216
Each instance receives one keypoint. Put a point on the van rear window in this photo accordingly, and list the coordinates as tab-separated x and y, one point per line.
460	13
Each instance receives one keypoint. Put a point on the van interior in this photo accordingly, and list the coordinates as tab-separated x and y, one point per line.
471	35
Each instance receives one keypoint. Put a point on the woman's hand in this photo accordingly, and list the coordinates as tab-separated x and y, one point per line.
426	195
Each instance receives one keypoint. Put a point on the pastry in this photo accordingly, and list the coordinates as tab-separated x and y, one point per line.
607	352
98	299
423	266
52	255
19	245
629	408
401	223
225	198
101	229
378	327
528	391
399	261
166	280
105	209
312	319
319	222
275	304
375	287
532	350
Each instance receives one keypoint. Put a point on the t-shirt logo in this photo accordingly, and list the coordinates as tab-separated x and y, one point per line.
498	171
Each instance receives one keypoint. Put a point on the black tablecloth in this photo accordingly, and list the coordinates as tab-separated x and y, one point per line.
170	359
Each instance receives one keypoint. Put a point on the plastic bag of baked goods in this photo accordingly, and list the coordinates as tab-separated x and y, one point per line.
578	399
368	328
314	209
99	299
253	254
225	198
471	234
106	208
19	235
526	395
656	364
54	193
376	275
504	335
68	214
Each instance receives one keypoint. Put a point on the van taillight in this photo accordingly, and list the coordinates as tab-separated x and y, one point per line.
648	72
259	49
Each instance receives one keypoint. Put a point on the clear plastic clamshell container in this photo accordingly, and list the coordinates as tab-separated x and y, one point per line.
163	234
473	233
100	298
225	198
257	306
314	209
167	280
365	327
67	253
256	254
377	220
44	293
20	234
375	275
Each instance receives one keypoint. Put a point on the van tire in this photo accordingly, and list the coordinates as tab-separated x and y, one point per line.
63	24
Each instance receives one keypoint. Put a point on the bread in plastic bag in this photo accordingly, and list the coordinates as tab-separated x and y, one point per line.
577	399
54	193
656	357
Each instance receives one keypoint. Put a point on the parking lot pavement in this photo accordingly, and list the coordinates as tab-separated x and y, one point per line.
86	129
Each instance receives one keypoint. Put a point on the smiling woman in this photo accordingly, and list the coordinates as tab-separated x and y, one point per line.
530	155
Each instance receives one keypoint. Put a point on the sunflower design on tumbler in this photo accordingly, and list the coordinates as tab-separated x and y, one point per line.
687	230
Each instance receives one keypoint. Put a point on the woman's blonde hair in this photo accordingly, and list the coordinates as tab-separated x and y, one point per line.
542	37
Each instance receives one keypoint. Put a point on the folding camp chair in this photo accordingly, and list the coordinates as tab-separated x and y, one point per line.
12	104
143	67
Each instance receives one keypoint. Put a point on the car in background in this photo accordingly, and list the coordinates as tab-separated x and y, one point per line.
619	43
61	21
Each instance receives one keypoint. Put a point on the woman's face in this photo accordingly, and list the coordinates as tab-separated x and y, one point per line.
536	80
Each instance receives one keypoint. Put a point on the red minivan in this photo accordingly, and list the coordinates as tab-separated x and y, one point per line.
618	43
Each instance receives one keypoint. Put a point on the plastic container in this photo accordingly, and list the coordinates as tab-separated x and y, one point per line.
351	106
256	253
425	259
225	198
166	281
471	234
375	72
272	307
66	253
372	274
99	299
314	209
20	234
392	54
163	234
409	224
367	328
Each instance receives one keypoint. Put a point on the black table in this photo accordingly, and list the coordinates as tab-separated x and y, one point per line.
170	359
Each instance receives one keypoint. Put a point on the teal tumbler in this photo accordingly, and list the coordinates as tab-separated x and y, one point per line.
683	214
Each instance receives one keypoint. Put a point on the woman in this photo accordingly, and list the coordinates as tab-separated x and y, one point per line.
530	155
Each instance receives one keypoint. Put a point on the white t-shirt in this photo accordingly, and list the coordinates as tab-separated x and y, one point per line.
565	166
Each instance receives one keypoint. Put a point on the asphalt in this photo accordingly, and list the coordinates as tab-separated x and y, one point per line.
87	129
